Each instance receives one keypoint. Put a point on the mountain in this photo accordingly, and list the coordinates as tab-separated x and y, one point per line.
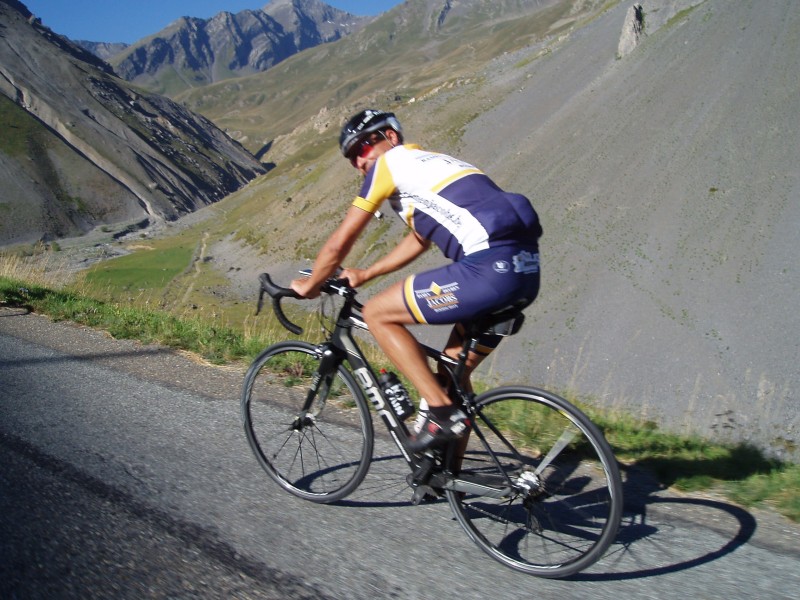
103	50
415	49
81	148
194	52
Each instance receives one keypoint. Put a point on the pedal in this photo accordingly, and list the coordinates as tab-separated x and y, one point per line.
419	479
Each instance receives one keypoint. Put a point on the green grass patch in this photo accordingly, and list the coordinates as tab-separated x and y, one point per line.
740	471
20	130
147	269
777	488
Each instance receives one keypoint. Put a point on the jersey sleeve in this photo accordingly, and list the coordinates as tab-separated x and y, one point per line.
378	186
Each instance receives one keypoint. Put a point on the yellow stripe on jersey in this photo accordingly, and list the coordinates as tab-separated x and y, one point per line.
411	302
365	204
382	187
409	218
444	183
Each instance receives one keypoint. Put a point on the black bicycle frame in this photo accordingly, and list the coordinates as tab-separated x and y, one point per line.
346	348
342	347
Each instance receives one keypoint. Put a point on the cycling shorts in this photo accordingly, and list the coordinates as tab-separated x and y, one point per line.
477	284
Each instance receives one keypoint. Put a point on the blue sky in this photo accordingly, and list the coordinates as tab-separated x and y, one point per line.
129	21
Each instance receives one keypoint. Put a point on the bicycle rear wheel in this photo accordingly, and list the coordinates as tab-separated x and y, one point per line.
316	445
539	488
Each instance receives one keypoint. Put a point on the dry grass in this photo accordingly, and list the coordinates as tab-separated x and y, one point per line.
40	267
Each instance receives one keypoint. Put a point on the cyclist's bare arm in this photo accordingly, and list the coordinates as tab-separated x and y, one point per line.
405	252
333	252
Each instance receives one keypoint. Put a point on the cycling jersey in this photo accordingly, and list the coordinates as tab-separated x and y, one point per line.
449	202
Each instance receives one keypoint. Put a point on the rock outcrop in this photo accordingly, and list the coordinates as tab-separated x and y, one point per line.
632	30
647	17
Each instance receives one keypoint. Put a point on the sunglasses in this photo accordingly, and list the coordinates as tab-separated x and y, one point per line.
361	149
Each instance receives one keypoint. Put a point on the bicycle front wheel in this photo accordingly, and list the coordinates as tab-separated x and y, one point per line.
311	431
539	488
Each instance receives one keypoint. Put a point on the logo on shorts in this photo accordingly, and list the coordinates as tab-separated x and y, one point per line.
525	262
501	266
439	297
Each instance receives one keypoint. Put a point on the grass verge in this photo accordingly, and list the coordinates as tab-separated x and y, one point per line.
742	473
212	341
691	464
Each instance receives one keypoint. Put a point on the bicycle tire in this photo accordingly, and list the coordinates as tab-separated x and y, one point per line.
322	454
557	482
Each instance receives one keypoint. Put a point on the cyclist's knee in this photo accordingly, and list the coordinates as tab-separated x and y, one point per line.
372	314
385	309
377	316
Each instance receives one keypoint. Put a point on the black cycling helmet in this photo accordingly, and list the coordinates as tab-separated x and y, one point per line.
364	123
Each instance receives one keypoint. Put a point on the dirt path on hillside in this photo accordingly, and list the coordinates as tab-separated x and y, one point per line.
196	267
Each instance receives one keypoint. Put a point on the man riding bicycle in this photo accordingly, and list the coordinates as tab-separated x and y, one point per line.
490	235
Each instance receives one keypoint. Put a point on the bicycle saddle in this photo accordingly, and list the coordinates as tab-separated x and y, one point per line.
505	321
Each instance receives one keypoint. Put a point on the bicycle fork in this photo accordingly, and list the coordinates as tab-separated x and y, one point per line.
320	386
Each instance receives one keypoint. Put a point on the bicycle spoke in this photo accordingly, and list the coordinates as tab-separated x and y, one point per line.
562	443
562	507
324	451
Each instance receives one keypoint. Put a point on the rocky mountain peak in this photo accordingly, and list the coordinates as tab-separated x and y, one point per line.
203	51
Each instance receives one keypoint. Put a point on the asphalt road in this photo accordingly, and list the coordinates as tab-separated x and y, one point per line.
124	473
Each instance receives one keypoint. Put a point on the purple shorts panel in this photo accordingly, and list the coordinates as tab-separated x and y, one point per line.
477	284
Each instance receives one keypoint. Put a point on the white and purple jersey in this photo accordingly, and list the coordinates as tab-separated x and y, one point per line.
448	201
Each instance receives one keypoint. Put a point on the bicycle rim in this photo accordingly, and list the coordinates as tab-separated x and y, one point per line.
542	492
321	452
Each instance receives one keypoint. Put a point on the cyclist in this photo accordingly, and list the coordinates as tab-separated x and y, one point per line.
491	237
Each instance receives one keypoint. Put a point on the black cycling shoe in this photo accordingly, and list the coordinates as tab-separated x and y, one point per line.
438	431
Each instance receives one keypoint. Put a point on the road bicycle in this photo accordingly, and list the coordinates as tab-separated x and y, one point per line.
534	484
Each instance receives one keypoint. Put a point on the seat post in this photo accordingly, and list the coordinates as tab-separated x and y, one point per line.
470	341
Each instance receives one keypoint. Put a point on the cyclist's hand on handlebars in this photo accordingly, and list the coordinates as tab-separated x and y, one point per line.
356	277
304	288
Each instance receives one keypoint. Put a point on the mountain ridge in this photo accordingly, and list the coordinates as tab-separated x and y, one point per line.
192	52
406	53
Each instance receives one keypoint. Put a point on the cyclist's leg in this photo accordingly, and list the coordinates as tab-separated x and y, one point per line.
387	316
453	293
448	294
493	279
489	272
454	346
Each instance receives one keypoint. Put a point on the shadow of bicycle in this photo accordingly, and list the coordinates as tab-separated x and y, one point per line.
652	539
384	487
655	536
